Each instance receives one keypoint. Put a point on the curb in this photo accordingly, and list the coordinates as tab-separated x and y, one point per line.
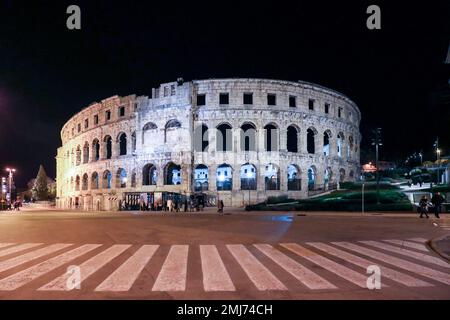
432	244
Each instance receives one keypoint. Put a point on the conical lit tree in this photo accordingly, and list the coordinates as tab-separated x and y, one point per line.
40	188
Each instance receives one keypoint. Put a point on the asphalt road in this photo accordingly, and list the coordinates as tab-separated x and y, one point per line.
84	255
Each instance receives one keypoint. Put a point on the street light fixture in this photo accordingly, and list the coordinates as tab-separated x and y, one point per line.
10	176
376	141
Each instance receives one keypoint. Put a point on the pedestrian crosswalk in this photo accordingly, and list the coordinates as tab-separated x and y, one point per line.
286	266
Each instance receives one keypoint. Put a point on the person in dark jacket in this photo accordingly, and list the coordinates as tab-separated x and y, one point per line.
437	201
423	206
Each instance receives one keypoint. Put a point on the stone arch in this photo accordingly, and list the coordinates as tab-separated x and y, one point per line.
121	178
340	143
77	183
201	178
96	149
85	182
147	131
294	178
272	177
312	177
122	143
201	138
292	138
95	181
224	137
326	142
86	152
248	136
350	146
171	125
106	179
149	175
172	174
224	177
107	142
271	137
310	140
78	159
248	177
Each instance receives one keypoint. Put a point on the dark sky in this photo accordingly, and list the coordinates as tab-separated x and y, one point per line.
396	75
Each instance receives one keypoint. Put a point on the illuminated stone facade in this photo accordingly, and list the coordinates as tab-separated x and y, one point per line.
239	140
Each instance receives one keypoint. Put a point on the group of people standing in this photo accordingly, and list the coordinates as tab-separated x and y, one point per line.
435	204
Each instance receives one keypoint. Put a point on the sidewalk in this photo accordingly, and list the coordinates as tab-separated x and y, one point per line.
442	246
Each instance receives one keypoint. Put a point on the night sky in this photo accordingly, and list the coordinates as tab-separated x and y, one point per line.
396	75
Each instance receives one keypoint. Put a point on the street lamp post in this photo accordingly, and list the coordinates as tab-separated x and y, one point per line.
10	176
376	141
438	155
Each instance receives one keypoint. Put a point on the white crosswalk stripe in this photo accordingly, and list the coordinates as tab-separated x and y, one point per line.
304	275
174	270
123	278
2	245
18	248
364	263
87	268
409	253
342	271
409	244
262	266
401	263
24	258
23	277
420	240
261	277
215	275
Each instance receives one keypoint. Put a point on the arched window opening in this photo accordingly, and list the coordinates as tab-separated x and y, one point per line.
248	177
310	143
326	143
149	175
224	137
133	179
201	178
133	142
172	174
271	137
248	137
201	139
171	125
86	153
292	139
77	183
85	182
294	178
224	177
122	144
340	139
108	147
78	161
350	147
94	181
311	178
106	181
272	177
96	149
121	178
147	131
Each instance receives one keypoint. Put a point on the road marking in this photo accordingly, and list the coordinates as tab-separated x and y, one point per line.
18	248
172	276
87	268
344	272
364	263
421	240
215	275
404	264
23	277
304	275
409	244
124	277
26	257
2	245
261	277
409	253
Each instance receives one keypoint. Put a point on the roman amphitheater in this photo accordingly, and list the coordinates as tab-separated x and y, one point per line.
236	140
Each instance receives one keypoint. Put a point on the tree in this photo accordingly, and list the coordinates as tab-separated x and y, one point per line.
40	188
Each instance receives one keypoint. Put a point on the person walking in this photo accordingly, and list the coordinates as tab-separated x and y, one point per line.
423	206
170	205
220	206
437	201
